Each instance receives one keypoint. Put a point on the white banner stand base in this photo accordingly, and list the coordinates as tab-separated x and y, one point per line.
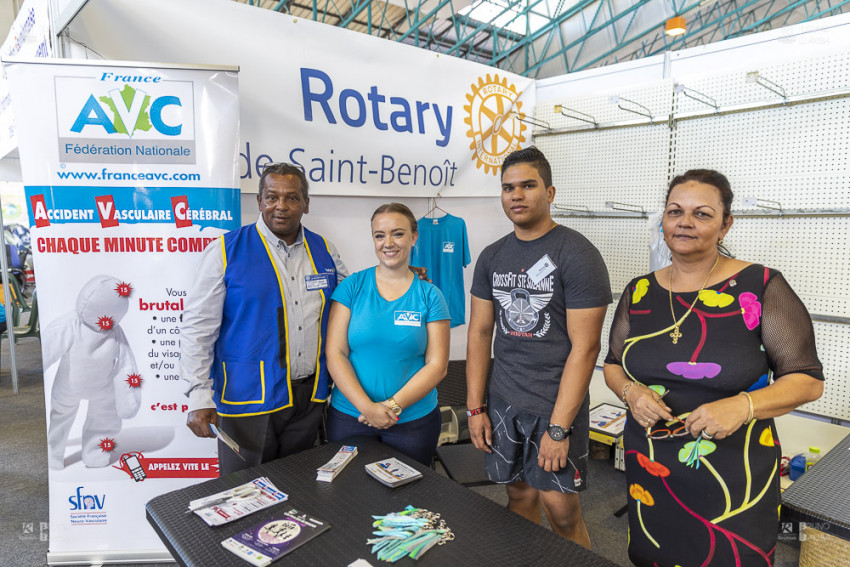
94	558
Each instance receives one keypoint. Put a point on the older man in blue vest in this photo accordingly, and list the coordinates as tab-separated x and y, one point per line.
254	329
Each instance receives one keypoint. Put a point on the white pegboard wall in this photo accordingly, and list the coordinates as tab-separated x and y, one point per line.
796	155
623	244
626	255
657	97
626	165
832	341
798	77
811	253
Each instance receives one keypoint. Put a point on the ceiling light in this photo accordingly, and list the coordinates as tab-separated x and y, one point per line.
675	26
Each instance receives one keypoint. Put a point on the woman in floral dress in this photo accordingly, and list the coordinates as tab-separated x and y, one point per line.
705	353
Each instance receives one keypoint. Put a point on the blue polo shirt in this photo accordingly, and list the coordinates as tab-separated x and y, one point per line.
387	339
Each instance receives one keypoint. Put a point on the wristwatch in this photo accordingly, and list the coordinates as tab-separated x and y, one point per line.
558	433
394	407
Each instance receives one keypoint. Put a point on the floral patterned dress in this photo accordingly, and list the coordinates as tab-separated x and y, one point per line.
696	502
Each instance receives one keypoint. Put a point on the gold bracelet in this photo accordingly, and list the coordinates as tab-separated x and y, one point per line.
626	389
752	409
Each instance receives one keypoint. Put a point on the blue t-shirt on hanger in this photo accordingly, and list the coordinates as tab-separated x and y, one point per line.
443	248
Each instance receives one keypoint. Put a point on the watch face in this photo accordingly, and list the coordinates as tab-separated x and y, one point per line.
556	432
394	407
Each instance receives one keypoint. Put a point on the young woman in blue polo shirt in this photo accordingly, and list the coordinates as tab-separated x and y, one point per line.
388	345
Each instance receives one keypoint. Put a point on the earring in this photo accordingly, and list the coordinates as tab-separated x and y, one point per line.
720	242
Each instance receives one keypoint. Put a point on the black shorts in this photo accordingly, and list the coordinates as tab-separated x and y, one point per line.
516	441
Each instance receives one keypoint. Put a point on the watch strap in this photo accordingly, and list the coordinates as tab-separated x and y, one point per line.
562	434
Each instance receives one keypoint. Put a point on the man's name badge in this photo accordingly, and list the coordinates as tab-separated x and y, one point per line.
542	268
317	281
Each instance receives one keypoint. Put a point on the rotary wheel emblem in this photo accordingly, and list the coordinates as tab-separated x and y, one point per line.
492	119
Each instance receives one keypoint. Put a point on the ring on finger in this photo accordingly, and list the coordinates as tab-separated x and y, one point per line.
705	435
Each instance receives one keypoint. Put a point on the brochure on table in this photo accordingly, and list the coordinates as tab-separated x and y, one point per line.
270	540
392	472
230	505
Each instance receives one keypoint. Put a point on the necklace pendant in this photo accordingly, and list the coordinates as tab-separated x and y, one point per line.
675	335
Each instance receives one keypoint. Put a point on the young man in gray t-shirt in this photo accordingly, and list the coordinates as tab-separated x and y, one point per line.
545	289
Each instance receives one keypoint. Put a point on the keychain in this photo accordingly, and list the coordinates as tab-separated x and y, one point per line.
410	532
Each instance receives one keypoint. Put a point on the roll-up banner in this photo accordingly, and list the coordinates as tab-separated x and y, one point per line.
130	170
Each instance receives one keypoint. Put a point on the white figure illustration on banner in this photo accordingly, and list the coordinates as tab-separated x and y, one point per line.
95	364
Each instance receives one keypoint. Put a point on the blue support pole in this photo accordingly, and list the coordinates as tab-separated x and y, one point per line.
791	6
553	24
593	21
828	12
356	9
592	32
485	25
419	21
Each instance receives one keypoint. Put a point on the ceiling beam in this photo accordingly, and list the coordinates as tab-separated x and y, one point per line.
548	28
590	33
419	21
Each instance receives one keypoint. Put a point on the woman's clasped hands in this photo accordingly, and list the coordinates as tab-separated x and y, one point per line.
378	415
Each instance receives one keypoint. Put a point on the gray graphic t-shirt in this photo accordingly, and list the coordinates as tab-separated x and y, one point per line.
531	285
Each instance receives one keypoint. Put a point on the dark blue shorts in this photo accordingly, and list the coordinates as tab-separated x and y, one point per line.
516	441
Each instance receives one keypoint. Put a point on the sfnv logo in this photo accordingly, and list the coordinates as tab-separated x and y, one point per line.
80	501
408	318
132	110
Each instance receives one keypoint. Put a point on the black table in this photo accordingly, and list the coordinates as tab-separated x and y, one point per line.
821	497
485	533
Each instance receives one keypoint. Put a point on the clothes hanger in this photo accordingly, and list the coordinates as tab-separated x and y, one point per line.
436	207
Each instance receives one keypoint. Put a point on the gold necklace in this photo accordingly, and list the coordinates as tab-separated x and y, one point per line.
676	334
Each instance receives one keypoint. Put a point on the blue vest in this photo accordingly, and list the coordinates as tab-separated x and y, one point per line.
251	373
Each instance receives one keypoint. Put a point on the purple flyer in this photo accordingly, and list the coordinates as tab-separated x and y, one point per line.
274	538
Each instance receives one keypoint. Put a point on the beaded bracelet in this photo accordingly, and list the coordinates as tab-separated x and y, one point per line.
476	411
626	389
752	409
